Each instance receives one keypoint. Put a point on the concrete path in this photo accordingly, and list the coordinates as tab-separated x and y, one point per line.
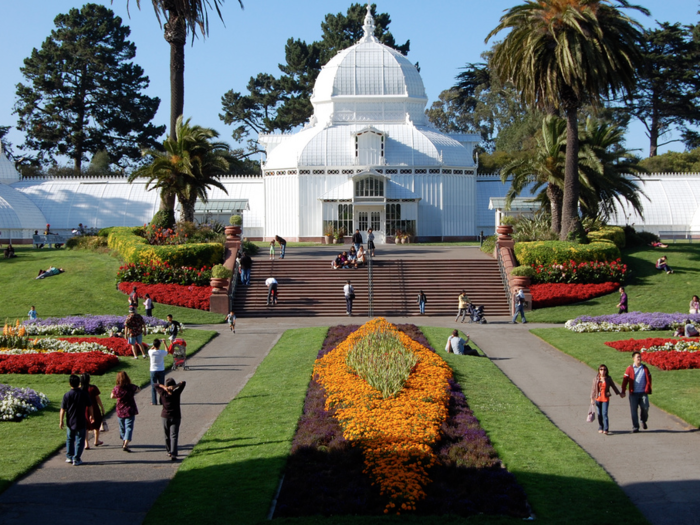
383	252
659	469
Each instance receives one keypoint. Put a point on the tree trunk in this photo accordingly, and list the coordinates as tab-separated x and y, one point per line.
654	130
176	36
555	202
167	201
569	214
188	208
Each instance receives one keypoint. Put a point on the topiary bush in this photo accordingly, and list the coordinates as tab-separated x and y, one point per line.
523	271
135	249
221	272
163	219
614	234
559	252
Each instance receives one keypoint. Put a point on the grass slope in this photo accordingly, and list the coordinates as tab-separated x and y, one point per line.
648	289
675	391
87	287
27	443
234	470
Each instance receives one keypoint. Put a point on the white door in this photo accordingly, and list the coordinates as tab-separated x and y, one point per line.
370	217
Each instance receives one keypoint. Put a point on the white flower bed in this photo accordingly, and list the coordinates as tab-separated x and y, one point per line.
55	345
54	329
607	327
18	403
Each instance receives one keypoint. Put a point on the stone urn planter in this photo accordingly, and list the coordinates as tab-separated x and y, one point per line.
518	281
504	231
232	232
218	285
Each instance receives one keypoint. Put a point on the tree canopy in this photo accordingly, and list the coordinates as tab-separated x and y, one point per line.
83	93
275	104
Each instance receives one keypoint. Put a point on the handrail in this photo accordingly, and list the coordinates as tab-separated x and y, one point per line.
370	286
233	284
680	234
504	278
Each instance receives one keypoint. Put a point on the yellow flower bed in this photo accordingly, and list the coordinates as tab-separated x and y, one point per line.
395	433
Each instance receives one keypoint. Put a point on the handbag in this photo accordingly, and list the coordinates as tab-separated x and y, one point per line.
352	296
591	413
104	427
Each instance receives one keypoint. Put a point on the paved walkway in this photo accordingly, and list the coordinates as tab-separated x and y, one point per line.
383	252
659	469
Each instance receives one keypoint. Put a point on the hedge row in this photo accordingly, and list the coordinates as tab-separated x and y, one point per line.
135	249
559	252
614	234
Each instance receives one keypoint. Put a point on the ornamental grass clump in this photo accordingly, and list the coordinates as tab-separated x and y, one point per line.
382	360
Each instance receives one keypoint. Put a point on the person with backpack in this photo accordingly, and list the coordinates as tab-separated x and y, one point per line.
349	292
422	299
519	300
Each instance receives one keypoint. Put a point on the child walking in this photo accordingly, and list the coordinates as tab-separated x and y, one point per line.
32	313
231	318
272	249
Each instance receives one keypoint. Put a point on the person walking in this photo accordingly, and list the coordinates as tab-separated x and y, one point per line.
74	408
271	284
422	299
622	305
357	240
462	305
519	300
157	356
349	292
246	264
98	411
283	245
127	410
133	328
370	242
148	305
638	377
134	299
600	396
32	314
172	327
272	249
231	320
171	414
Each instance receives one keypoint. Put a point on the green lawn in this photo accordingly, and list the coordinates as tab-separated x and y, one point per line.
27	443
87	287
235	469
648	289
675	391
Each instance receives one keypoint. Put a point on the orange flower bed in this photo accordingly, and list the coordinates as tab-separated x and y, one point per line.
395	433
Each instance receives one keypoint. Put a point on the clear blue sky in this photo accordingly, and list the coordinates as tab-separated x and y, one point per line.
444	36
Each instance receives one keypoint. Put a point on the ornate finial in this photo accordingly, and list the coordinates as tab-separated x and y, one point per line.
369	27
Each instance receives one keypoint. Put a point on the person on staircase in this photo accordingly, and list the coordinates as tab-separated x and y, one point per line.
361	257
357	239
246	264
283	245
370	242
349	292
271	284
422	299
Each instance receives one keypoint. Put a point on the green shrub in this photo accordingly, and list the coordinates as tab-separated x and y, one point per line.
163	219
551	252
647	238
523	271
235	220
86	243
614	234
135	249
249	247
104	232
221	272
489	244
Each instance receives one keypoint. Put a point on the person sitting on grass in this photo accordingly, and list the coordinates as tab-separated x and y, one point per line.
48	273
661	264
690	330
9	252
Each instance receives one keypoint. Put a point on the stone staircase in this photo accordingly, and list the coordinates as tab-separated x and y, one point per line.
310	287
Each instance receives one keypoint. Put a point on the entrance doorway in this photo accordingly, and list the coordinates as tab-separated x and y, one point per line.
370	217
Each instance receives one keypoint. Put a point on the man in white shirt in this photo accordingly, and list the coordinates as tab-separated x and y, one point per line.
157	357
271	284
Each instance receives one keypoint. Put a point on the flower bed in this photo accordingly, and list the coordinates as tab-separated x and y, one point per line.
589	272
19	403
88	324
631	322
663	353
174	294
546	295
57	363
116	345
325	475
157	272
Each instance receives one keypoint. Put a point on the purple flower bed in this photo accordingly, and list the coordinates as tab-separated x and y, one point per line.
88	324
657	320
324	471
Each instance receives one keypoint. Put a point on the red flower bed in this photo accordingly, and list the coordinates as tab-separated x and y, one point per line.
57	363
635	345
672	360
557	294
174	294
118	345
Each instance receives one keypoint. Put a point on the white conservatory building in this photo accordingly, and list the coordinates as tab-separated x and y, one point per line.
367	158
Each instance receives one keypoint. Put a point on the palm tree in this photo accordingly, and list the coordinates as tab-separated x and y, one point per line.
562	54
182	17
187	168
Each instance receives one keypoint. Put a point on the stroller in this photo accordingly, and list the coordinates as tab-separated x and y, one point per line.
178	349
476	314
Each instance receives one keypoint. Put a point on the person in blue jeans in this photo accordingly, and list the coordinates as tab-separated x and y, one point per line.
246	263
638	377
127	410
422	299
519	306
283	245
600	396
76	404
157	357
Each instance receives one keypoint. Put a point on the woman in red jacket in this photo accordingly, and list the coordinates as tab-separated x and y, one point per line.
600	395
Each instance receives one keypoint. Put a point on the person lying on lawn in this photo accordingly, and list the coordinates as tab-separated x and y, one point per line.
48	273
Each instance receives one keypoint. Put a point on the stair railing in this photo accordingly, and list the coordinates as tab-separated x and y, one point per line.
370	290
504	278
233	284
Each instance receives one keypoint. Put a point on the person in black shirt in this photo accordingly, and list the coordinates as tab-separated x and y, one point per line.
172	328
171	415
246	263
74	405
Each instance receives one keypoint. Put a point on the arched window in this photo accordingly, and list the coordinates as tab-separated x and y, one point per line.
369	148
369	187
